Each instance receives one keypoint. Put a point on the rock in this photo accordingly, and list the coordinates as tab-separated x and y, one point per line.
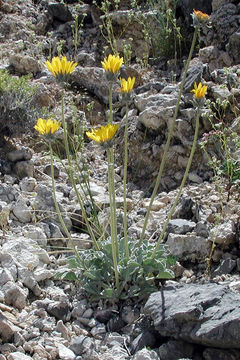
22	211
223	234
7	329
208	316
146	354
188	247
233	47
18	356
5	276
94	80
15	295
28	184
25	64
35	233
20	155
24	169
59	309
143	340
224	22
173	350
65	353
202	229
180	226
220	354
59	12
56	171
98	330
7	193
214	58
225	267
81	344
194	74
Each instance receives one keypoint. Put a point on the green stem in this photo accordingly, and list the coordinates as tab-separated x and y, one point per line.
113	222
57	206
159	176
110	103
72	178
182	183
125	183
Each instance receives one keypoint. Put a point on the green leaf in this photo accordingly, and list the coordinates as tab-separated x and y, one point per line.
167	274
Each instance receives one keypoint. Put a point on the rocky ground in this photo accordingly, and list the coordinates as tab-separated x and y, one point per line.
196	315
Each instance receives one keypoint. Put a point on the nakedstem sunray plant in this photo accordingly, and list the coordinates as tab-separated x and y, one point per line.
47	129
126	89
197	23
61	69
199	99
111	65
104	136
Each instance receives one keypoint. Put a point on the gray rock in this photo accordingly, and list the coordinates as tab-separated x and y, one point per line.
18	356
233	47
205	314
7	193
202	229
28	184
180	226
24	169
220	354
81	344
7	329
188	247
194	74
214	58
65	353
56	171
59	12
59	309
19	155
145	339
15	295
22	211
25	64
146	354
94	80
175	350
223	234
5	276
225	267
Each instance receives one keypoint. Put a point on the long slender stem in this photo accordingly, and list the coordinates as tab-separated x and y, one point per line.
159	176
182	183
72	178
57	206
113	215
110	103
125	182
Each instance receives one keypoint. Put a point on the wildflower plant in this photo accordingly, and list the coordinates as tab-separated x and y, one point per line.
120	267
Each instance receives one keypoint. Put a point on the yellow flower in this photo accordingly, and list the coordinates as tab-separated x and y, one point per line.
199	90
60	66
103	134
127	85
47	127
112	63
200	15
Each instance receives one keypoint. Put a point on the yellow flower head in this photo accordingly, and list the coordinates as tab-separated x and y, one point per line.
112	64
200	16
127	85
60	67
47	127
199	90
103	134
